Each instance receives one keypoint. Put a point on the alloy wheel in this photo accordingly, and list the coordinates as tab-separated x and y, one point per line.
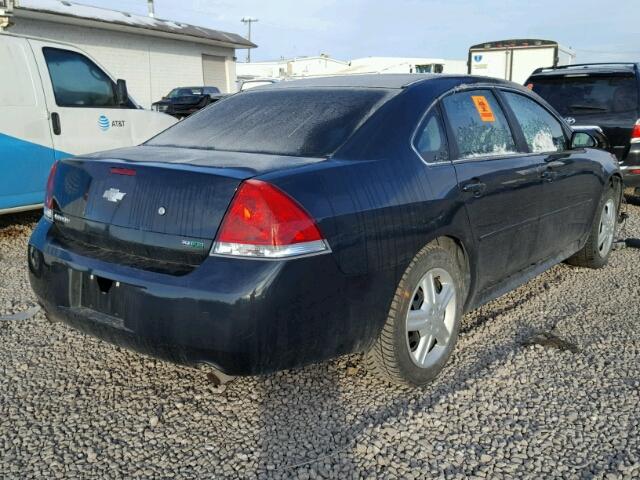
606	229
431	317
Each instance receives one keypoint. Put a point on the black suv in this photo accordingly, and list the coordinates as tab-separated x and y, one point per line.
183	101
602	94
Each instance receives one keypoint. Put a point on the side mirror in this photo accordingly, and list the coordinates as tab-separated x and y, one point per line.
582	140
122	96
589	137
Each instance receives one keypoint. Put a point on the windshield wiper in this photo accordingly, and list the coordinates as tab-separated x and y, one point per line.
587	107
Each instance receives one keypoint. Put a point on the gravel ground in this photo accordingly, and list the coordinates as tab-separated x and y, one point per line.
74	407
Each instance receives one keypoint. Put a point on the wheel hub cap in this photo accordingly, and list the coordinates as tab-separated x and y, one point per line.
607	227
431	317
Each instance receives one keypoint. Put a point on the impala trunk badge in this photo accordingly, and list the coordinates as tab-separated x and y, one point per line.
113	195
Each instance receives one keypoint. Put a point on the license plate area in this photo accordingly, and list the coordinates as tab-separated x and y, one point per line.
105	295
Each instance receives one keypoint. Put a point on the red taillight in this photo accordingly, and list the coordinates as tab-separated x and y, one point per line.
263	221
48	198
635	132
123	171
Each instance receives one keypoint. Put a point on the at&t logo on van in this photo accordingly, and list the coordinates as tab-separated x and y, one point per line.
103	123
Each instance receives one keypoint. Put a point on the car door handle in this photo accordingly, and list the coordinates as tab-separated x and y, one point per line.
476	187
55	123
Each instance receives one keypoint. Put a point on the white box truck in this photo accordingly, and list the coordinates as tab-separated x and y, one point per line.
56	101
515	60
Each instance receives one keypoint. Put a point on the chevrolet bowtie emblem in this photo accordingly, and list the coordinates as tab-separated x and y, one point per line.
113	195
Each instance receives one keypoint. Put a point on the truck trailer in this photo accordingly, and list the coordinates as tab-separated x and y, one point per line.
515	60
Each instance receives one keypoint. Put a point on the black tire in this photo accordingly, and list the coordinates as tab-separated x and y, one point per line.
390	358
593	255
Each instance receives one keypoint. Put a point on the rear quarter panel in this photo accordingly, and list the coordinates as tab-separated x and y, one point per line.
378	204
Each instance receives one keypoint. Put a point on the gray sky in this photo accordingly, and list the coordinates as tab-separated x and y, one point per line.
596	30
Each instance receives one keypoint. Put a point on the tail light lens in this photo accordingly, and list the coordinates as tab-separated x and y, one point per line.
48	198
635	133
264	222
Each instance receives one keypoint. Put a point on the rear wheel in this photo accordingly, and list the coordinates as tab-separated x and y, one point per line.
595	253
422	327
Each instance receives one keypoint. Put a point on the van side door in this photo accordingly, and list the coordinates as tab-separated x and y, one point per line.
499	184
26	146
81	99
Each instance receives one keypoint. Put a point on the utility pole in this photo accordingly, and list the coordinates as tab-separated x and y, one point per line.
248	21
151	8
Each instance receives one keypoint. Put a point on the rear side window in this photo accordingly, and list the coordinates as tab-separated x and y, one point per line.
77	81
430	141
291	121
541	130
575	95
479	125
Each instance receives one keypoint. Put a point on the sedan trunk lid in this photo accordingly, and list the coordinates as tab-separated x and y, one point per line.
160	204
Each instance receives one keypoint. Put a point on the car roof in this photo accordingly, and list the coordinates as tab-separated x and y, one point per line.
376	80
587	68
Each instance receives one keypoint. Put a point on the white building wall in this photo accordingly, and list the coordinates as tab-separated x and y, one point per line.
259	69
151	65
402	65
314	66
295	67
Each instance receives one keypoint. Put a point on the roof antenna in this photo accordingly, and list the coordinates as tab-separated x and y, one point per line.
152	12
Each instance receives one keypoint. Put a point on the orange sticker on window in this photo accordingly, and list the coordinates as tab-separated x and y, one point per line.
484	110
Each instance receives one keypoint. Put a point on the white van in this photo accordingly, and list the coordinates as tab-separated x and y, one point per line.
55	102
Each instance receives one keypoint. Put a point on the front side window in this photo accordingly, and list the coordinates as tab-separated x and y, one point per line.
77	81
430	141
478	124
541	130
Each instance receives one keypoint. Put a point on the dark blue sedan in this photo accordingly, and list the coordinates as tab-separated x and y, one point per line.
304	220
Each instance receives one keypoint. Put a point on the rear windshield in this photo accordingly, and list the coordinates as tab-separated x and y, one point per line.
292	121
184	92
588	94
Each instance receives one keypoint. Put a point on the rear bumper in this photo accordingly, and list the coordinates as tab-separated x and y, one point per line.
244	317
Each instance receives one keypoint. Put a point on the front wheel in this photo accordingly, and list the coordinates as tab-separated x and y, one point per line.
595	253
422	326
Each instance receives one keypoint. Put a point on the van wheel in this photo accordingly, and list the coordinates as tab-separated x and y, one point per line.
595	253
422	327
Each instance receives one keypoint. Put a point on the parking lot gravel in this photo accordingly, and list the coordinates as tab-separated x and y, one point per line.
544	382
